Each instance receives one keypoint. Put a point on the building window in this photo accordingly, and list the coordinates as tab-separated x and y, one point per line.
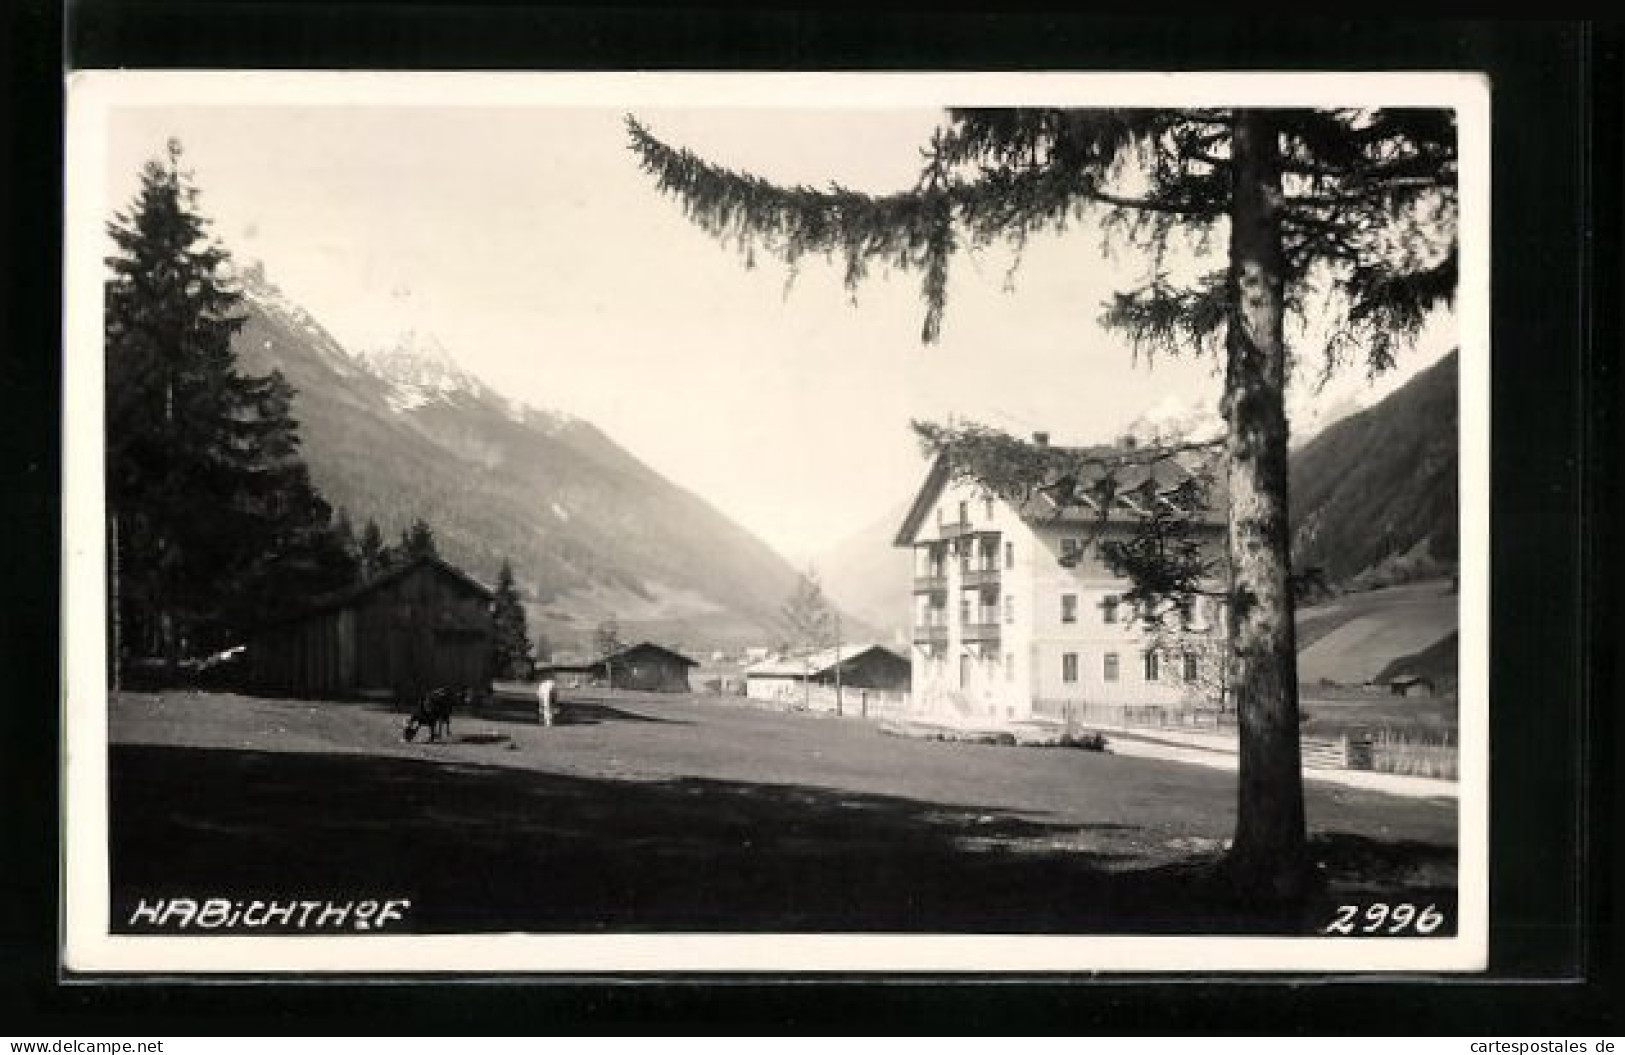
1069	667
1009	608
1009	555
1070	549
1009	666
1110	669
939	516
987	508
964	512
1152	666
1108	609
1069	608
1190	666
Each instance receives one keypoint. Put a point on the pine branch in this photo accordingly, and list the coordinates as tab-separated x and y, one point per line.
1161	318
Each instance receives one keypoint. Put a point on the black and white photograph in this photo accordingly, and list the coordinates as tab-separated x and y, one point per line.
590	522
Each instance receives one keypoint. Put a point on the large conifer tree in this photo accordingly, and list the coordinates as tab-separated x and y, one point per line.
511	647
1344	215
217	524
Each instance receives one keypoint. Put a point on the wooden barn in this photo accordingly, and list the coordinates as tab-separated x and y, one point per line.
1410	685
860	666
647	667
420	626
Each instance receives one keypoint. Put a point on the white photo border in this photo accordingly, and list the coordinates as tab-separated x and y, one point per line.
94	96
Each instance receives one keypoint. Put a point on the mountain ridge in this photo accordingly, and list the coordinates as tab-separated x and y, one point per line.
402	431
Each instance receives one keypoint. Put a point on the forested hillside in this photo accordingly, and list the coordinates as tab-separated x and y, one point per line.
1374	497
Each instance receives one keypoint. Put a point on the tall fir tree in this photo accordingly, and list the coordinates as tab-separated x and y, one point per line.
372	553
1346	217
417	542
215	517
808	614
510	644
606	642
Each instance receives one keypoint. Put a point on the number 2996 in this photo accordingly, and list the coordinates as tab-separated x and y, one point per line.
1382	918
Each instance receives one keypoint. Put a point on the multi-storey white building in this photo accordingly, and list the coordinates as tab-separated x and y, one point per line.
1016	615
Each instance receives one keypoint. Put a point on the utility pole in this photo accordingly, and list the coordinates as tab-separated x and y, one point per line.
837	662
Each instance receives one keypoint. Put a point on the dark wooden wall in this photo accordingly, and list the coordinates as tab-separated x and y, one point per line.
423	630
649	672
872	670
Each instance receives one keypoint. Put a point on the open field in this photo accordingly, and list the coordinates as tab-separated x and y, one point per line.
685	812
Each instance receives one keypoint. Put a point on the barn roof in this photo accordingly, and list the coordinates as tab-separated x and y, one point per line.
647	646
817	663
343	598
1065	495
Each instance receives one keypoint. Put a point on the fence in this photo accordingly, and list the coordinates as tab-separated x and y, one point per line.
1343	752
855	702
1135	716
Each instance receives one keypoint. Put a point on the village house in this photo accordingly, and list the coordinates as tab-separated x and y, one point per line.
646	667
1016	615
423	625
856	674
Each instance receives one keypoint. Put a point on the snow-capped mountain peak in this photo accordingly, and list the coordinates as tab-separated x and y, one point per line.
419	370
1173	420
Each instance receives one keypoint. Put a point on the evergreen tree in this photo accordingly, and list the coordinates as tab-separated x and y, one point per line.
417	542
808	613
606	637
211	502
372	554
1346	215
511	648
606	642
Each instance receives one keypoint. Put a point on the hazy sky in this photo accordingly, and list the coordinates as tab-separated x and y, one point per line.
528	241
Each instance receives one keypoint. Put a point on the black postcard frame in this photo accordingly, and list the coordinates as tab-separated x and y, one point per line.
1556	226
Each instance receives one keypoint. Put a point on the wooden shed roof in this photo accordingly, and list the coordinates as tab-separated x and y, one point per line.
644	647
350	594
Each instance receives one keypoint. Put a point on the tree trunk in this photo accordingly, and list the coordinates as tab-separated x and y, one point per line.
115	642
1268	859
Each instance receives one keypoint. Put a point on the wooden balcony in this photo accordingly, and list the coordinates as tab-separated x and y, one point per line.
931	633
972	577
931	583
987	632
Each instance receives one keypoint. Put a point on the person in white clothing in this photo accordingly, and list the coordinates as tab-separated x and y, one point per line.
544	700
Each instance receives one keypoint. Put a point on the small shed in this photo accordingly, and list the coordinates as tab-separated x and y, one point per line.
1410	685
420	626
647	667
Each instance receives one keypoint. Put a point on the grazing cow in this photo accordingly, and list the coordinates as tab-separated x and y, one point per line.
433	713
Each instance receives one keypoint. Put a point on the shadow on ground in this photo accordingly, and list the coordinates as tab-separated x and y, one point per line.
492	848
523	712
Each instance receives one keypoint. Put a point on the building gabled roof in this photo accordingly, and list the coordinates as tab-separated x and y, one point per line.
1068	497
818	662
343	598
645	646
936	478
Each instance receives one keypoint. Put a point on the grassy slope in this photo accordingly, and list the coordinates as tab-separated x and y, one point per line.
1358	636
